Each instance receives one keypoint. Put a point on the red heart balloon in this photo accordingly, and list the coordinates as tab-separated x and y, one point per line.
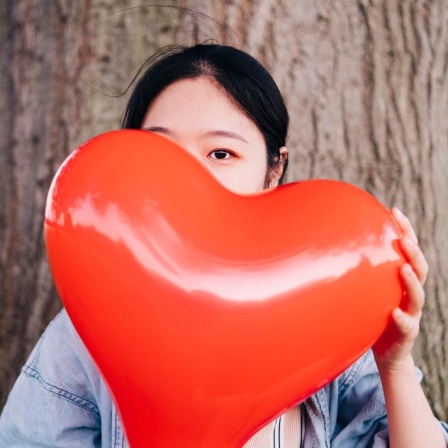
210	313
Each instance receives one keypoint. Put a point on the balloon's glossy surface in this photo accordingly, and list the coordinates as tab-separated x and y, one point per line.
210	313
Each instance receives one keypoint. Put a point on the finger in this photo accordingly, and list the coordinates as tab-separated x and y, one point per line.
405	224
415	257
407	326
415	293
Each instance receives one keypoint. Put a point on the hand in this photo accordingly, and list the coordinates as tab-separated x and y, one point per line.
394	346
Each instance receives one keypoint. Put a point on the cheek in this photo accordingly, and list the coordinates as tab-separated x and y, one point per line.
256	174
243	178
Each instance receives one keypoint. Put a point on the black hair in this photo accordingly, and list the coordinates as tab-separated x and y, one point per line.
247	83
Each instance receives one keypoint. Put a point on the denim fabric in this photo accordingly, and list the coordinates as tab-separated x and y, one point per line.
60	400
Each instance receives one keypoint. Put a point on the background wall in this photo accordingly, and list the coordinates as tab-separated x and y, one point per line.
366	83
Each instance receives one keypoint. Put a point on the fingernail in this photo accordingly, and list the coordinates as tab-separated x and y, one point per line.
398	314
407	270
399	212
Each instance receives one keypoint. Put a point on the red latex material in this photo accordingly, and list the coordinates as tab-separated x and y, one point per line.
210	313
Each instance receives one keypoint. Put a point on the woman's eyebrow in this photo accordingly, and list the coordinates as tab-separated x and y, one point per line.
219	133
215	133
159	129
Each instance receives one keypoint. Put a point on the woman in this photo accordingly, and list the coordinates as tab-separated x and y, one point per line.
225	109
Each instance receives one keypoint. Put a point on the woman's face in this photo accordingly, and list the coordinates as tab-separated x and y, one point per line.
197	115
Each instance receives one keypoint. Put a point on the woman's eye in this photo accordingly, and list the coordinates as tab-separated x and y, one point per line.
221	154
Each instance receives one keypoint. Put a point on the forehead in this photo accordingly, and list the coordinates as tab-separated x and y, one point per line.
200	100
